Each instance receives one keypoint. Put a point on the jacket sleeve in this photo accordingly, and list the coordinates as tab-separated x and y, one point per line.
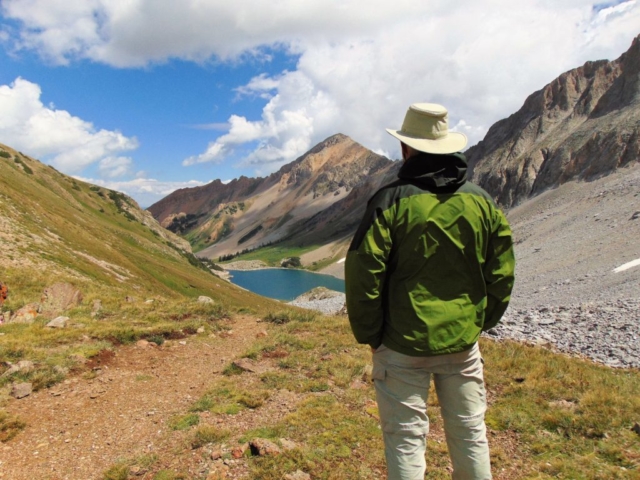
365	271
499	270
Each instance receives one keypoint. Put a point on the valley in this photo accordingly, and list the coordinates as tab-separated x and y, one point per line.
159	369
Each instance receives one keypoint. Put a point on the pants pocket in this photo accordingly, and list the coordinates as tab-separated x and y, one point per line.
378	372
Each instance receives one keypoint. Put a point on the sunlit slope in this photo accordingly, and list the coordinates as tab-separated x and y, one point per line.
56	228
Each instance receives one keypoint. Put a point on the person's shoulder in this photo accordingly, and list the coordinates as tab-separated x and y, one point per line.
387	194
473	189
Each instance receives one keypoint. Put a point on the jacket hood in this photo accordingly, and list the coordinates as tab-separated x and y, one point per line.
435	171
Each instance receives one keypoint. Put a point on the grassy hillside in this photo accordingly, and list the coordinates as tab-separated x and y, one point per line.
54	228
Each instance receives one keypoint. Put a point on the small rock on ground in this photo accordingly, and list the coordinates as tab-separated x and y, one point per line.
21	390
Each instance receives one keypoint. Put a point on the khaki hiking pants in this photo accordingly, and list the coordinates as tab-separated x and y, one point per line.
402	387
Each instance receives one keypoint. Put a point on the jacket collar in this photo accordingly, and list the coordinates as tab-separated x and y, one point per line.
435	171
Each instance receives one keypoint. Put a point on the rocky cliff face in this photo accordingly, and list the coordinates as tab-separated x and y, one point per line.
583	125
294	203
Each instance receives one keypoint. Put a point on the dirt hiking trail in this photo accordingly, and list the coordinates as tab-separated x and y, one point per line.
81	427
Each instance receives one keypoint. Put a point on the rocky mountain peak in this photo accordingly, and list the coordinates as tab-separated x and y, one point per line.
246	213
582	125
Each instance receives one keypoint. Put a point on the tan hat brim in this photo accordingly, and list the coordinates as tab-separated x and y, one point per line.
452	143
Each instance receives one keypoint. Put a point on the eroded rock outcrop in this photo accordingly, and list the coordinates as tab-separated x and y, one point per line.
58	298
583	125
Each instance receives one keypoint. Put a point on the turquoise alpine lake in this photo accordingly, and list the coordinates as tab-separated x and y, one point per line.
282	283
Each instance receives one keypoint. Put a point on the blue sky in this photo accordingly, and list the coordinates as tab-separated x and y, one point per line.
146	96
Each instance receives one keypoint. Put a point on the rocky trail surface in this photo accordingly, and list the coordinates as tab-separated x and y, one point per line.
81	427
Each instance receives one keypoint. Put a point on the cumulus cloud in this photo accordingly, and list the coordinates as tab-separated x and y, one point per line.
137	32
482	71
68	142
146	191
113	167
360	63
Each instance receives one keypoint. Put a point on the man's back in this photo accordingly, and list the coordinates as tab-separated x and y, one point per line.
435	246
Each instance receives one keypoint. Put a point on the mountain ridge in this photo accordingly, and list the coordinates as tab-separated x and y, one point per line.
56	228
244	214
582	125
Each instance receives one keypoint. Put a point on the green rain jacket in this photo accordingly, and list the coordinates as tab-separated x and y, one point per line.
431	265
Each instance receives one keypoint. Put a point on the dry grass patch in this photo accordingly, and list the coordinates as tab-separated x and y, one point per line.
10	426
230	397
207	434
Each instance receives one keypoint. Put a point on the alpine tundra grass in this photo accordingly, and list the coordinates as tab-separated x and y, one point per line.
550	415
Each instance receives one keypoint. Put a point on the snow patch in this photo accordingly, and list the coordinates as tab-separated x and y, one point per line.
627	266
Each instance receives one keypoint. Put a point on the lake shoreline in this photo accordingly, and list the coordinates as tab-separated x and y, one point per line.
283	284
248	265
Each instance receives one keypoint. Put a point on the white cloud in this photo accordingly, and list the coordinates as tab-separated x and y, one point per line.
68	142
215	153
113	167
146	191
360	63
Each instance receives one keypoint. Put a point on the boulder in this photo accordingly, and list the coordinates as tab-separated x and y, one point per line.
262	447
249	365
59	297
96	308
288	444
21	390
58	322
21	366
297	475
26	314
4	292
238	451
203	299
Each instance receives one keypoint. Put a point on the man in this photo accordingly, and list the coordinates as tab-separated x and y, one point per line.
430	267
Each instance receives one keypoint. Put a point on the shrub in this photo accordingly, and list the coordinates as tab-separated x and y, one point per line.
9	426
183	422
24	166
157	339
208	434
292	262
278	318
120	471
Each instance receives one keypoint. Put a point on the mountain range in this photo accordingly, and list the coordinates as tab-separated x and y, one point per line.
582	126
316	200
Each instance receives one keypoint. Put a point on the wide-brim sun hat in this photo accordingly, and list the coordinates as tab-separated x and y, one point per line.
426	129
